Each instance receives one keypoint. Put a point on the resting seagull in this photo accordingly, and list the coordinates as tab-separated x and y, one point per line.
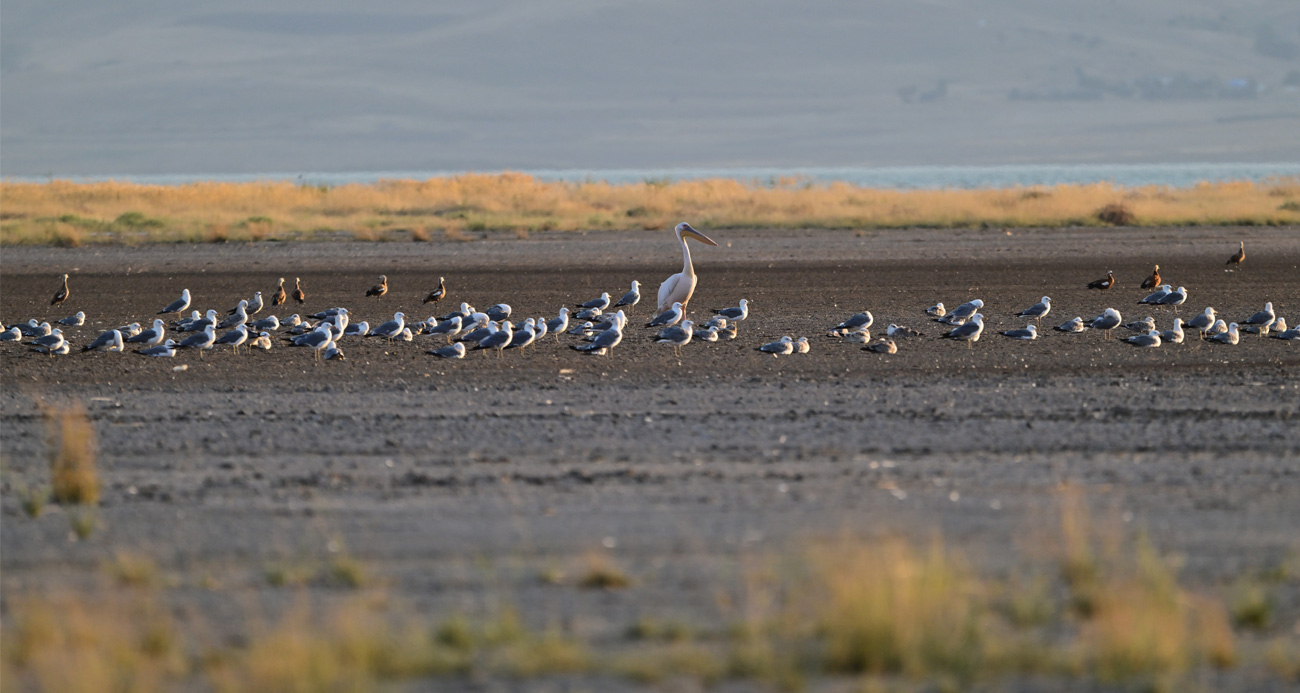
391	329
859	321
884	346
781	347
74	320
1038	310
1029	332
180	305
603	343
672	316
601	303
1229	337
165	350
969	332
1150	339
454	351
1174	336
152	336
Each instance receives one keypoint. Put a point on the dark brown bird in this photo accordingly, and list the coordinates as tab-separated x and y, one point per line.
379	289
1103	284
279	296
1152	281
298	294
62	294
437	294
1238	256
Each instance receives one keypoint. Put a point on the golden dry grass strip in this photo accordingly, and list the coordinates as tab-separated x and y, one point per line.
67	213
72	449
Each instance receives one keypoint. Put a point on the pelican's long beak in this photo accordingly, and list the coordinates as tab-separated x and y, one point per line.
688	231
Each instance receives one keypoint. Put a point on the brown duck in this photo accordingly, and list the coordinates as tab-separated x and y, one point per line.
437	294
279	296
379	289
298	294
1152	281
1103	284
62	294
1238	256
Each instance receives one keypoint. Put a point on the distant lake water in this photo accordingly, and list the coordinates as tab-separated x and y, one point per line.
890	177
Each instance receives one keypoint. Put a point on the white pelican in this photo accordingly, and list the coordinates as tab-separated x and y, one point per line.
679	287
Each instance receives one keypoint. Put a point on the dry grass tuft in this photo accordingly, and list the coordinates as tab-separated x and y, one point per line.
1117	214
602	572
72	446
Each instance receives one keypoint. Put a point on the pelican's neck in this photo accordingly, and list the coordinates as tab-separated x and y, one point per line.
687	268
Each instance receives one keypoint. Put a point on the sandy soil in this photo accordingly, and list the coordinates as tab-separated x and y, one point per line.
458	481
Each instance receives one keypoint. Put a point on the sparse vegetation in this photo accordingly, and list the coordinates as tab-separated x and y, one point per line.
72	449
602	572
467	206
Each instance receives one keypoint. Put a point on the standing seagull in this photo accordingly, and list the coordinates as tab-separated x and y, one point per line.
1038	310
600	303
679	287
180	305
969	332
62	294
201	341
1263	317
1103	284
255	304
1238	256
632	297
1152	281
278	298
604	342
379	289
678	336
152	336
1107	321
737	313
234	338
298	294
672	316
437	294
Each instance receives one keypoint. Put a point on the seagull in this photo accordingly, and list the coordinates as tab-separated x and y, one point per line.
279	297
1153	280
51	342
559	323
62	294
499	339
600	303
1229	337
523	336
12	334
262	342
1038	310
1144	325
499	312
391	329
588	314
632	297
238	317
781	347
884	346
1154	297
969	332
465	311
1103	284
1174	298
1263	317
317	340
539	326
298	294
735	314
801	345
31	328
603	343
269	322
1174	336
1150	339
862	336
586	329
729	331
672	316
202	341
717	321
108	341
180	305
1203	322
619	319
130	330
152	336
1075	325
234	338
437	294
1107	321
61	350
378	290
1219	327
900	331
479	333
1030	332
292	321
165	350
705	335
198	325
858	321
254	305
963	312
679	287
455	351
448	328
677	335
937	310
357	329
406	335
333	352
1238	257
1281	332
74	320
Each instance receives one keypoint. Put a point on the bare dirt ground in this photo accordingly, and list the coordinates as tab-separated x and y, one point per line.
456	482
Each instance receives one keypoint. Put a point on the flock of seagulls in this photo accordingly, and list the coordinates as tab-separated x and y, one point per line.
598	330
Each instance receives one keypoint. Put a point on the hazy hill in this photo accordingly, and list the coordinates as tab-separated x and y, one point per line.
152	86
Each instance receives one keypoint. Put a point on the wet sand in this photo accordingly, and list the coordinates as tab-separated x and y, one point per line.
456	482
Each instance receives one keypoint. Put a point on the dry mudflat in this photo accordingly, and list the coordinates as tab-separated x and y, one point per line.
456	483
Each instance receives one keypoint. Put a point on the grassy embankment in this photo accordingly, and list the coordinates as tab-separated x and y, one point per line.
1103	608
464	207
